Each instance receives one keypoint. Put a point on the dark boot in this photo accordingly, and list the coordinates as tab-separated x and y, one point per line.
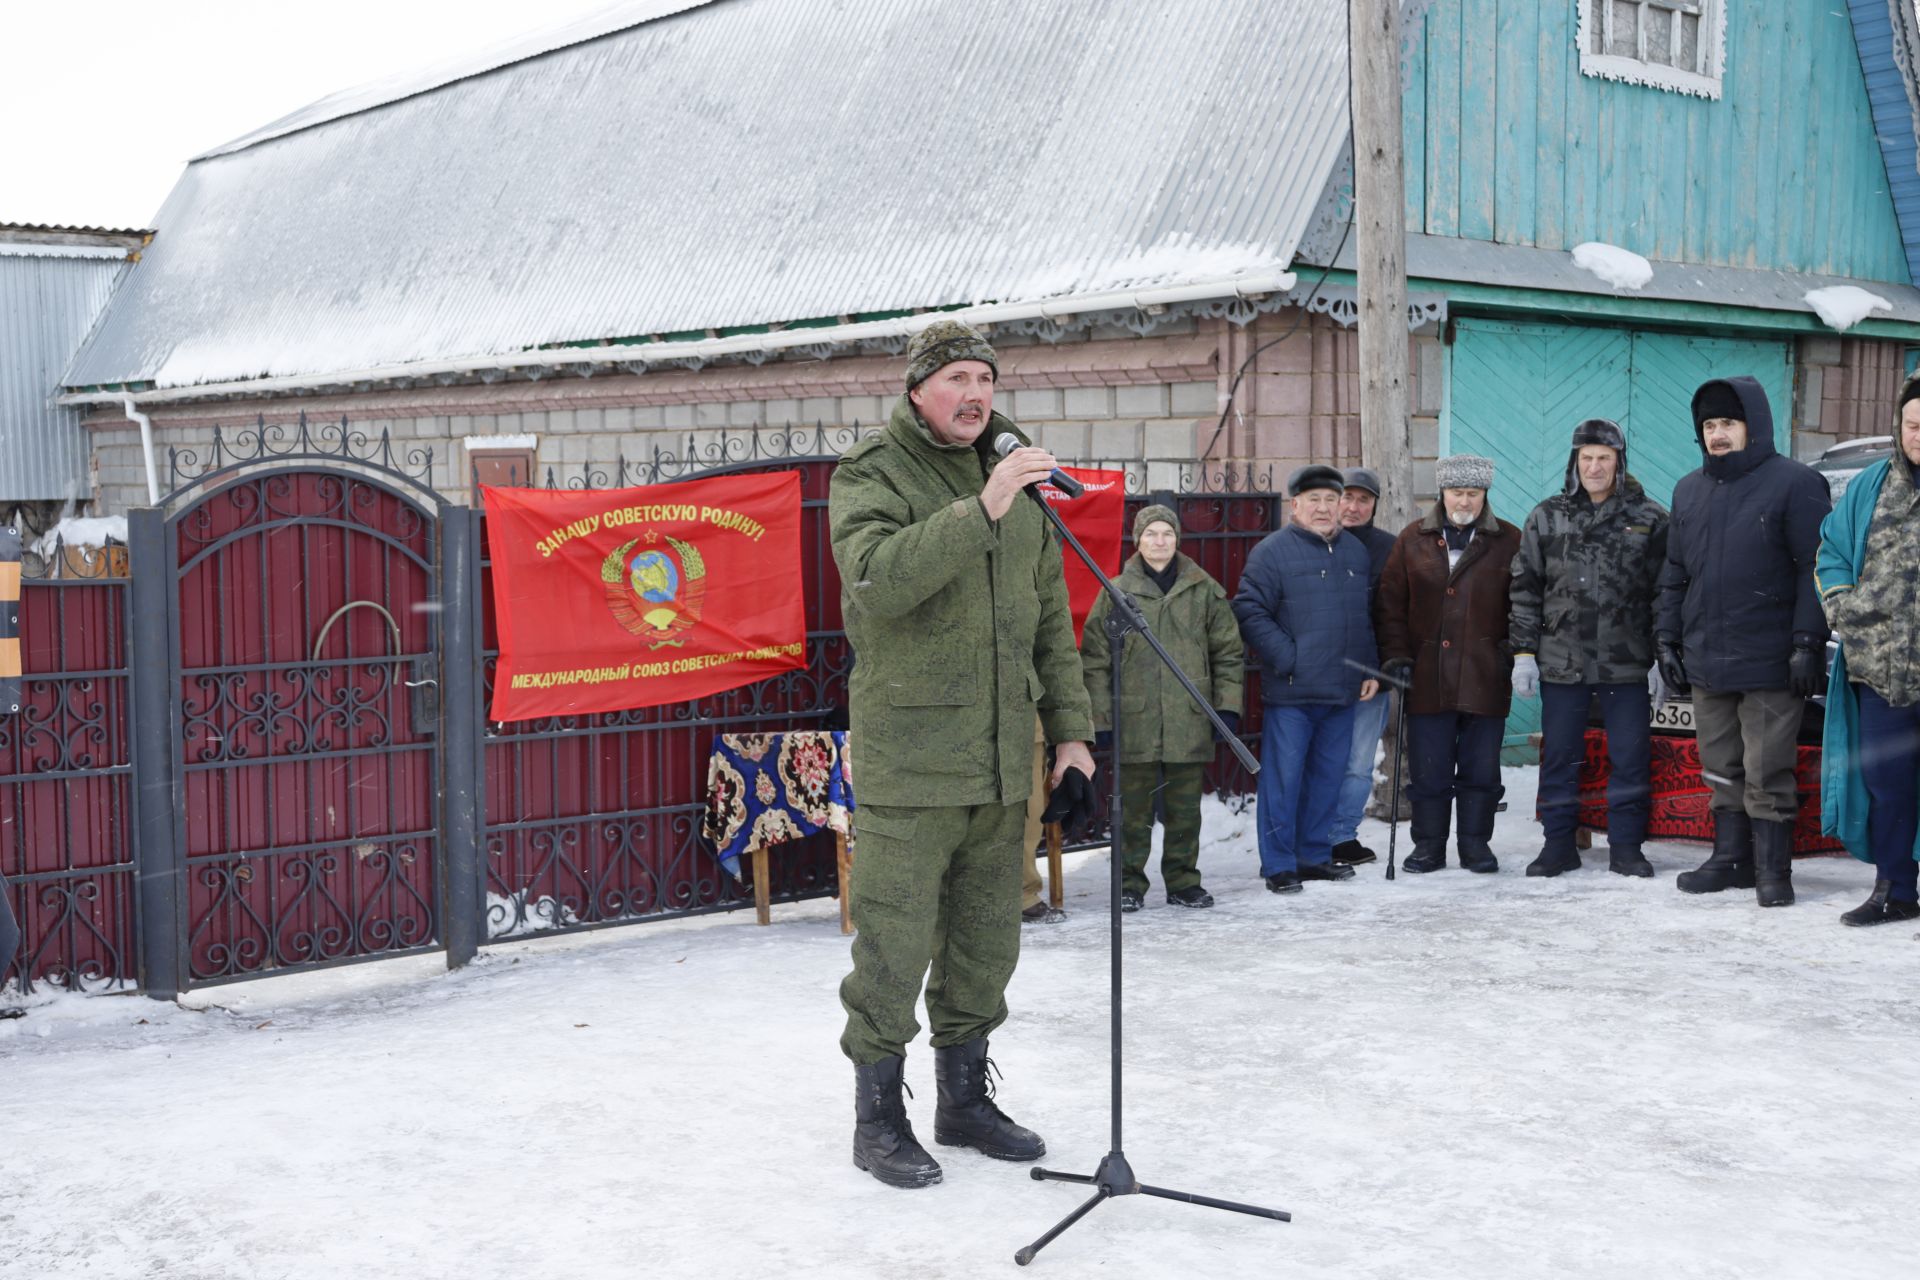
1556	858
1730	865
883	1141
1429	830
1352	853
1773	863
1475	841
1627	860
966	1116
1879	909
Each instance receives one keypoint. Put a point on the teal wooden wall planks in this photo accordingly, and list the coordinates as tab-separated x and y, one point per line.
1507	141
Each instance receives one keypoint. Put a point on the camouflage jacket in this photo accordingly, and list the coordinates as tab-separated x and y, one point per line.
1878	619
1584	582
959	624
1196	624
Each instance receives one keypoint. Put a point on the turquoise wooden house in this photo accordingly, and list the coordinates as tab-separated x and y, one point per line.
1752	151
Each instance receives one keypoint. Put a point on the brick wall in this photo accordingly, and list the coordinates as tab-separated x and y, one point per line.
1104	396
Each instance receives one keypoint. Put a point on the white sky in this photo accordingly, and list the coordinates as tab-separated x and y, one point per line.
104	101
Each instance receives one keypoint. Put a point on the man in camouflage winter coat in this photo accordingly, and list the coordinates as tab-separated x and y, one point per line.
956	607
1582	632
1166	741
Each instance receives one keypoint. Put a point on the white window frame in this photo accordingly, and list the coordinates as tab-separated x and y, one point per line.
1654	75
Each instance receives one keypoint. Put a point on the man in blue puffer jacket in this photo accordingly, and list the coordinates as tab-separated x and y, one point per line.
1738	620
1304	607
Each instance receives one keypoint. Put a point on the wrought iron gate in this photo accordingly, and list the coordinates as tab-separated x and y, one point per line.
301	608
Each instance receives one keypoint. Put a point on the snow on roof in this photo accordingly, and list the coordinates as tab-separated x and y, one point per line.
743	163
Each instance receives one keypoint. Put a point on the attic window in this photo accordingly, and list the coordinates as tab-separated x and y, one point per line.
1664	44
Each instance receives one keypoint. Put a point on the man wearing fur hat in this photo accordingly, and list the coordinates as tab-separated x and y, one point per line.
956	608
1167	741
1582	632
1740	624
1305	610
1443	629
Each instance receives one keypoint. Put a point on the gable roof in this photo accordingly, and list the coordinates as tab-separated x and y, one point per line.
1887	34
742	163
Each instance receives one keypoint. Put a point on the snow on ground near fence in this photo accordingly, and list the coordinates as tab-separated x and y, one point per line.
1450	1075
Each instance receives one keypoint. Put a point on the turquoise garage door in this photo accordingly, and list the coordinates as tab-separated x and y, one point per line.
1516	389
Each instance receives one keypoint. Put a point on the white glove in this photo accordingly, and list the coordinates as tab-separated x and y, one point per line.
1656	687
1526	676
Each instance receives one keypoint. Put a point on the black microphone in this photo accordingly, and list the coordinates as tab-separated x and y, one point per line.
1007	442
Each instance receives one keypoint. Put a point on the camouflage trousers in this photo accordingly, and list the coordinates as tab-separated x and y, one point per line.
1180	809
932	889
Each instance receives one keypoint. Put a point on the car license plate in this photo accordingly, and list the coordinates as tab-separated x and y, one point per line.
1674	717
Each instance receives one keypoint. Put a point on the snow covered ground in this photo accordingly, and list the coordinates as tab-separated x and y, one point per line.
1448	1075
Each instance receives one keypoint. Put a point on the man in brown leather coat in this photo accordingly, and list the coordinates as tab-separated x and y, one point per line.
1442	621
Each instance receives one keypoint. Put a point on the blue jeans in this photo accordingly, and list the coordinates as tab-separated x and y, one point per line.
1369	722
1627	710
1889	764
1303	756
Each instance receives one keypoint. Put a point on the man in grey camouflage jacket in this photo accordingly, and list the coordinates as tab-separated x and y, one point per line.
1583	592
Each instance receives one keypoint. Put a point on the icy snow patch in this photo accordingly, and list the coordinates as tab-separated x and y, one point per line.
81	531
1621	268
1843	306
508	917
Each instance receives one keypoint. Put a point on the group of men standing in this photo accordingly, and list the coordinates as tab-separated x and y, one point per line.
955	605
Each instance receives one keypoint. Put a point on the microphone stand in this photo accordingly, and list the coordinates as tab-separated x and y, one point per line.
1114	1176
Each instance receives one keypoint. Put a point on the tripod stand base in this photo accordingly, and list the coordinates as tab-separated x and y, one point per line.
1115	1177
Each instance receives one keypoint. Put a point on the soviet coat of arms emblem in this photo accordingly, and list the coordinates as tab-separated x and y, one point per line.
655	591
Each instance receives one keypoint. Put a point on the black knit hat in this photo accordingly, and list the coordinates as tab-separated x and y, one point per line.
1910	390
1718	400
1316	475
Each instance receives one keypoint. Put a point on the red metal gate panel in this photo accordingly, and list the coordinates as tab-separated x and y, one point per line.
304	666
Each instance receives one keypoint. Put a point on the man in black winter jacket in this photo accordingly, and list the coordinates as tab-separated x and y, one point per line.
1740	621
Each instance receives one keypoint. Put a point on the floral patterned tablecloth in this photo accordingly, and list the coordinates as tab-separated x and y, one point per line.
765	788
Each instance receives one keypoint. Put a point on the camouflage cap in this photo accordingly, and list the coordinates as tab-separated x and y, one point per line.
940	344
1155	511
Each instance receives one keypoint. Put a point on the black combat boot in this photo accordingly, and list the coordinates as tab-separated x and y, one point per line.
1880	909
1730	865
883	1141
966	1116
1429	831
1773	863
1474	842
1628	860
1556	857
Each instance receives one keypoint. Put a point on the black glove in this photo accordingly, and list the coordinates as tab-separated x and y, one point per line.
1397	671
1673	672
1071	804
1807	671
1103	740
1233	723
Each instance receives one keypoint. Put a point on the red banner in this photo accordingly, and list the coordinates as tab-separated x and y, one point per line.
1097	518
622	598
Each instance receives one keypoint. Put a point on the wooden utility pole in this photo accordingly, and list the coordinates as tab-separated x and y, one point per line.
1380	204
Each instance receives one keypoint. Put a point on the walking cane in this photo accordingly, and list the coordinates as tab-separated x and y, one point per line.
1399	749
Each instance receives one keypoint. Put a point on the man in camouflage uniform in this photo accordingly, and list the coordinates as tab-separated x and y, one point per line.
1582	595
956	608
1166	742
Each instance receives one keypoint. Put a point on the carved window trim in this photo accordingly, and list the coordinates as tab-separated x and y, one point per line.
1596	36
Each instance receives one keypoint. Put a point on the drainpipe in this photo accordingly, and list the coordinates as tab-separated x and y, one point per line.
146	448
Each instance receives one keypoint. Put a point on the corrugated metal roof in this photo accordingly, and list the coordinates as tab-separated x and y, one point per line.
47	305
748	162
